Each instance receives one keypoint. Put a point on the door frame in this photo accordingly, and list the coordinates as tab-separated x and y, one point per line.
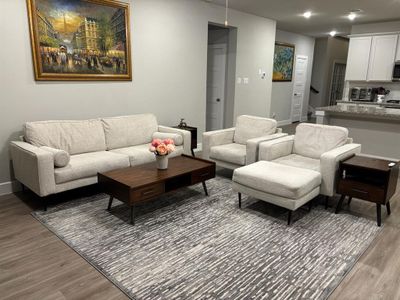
336	61
223	100
294	83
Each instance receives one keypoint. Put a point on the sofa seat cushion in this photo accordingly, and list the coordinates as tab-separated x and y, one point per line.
72	136
312	140
233	153
299	161
139	155
126	131
249	127
88	164
277	179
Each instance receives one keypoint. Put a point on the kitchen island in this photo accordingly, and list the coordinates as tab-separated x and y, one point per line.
375	127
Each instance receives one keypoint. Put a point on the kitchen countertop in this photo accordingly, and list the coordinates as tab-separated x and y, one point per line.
368	103
360	111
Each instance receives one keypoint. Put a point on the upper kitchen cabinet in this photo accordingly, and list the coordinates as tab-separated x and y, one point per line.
358	58
398	50
382	57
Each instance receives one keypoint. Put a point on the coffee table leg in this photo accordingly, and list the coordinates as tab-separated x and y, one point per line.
388	208
110	203
205	188
132	216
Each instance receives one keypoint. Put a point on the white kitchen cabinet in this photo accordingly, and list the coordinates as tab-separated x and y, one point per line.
358	58
382	57
398	50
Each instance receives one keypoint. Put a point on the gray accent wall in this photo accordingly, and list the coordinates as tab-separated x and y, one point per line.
169	55
282	92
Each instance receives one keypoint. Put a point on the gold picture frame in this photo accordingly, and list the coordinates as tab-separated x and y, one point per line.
284	56
81	40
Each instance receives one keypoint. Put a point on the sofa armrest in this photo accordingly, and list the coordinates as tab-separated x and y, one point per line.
274	149
186	135
330	165
252	146
33	167
215	138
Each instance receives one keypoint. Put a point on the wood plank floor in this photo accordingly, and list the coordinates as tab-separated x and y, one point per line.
35	264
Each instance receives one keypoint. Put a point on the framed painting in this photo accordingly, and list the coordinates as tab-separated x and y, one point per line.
80	39
283	62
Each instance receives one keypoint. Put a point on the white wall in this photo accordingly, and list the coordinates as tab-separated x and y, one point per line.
169	46
282	92
327	51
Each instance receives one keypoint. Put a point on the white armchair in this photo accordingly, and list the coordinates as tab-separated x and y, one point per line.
238	146
314	147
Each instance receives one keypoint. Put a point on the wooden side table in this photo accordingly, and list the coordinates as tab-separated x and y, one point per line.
369	179
193	132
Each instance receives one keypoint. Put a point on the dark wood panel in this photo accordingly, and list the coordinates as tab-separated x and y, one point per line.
146	193
362	190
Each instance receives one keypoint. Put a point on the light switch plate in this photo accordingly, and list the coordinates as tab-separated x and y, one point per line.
239	80
246	80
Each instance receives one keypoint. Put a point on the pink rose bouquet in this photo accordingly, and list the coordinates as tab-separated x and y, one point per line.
162	147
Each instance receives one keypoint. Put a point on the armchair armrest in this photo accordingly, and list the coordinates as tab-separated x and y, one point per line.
252	146
186	135
34	167
274	149
330	165
215	138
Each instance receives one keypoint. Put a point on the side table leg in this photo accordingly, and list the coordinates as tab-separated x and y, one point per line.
350	198
389	211
192	152
339	206
110	203
132	216
205	188
378	214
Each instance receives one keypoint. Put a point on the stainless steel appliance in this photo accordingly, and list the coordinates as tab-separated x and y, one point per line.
396	71
354	93
365	94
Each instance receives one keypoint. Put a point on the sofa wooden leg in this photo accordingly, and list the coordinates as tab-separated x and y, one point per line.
44	203
289	220
240	200
339	206
310	205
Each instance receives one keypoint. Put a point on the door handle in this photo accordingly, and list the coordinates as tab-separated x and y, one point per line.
218	100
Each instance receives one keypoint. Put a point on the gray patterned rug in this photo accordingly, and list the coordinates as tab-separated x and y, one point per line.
188	246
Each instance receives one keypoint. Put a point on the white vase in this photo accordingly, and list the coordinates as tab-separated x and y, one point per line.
162	162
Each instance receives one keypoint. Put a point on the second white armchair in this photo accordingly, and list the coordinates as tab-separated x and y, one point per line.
238	146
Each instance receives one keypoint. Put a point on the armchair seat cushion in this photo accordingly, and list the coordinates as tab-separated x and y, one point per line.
232	153
278	179
88	164
300	161
140	154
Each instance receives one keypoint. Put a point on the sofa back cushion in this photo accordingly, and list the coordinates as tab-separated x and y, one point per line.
129	131
249	127
72	136
312	140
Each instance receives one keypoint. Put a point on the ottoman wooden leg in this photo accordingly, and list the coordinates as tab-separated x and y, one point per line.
240	200
289	220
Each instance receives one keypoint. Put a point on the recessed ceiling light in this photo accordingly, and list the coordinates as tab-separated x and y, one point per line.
352	16
333	33
307	14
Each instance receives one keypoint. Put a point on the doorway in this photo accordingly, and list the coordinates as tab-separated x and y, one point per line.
337	82
221	69
300	78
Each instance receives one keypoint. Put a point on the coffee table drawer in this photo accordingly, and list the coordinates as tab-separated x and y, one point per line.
147	192
203	175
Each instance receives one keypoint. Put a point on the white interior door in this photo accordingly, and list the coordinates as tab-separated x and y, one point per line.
216	69
300	78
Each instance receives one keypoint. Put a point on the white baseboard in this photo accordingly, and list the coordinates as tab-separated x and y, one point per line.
199	147
9	187
284	122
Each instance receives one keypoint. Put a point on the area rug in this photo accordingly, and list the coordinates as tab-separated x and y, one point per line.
185	245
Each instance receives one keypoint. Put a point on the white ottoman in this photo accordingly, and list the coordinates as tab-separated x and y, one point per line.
282	185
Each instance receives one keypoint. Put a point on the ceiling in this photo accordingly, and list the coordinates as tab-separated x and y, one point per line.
327	15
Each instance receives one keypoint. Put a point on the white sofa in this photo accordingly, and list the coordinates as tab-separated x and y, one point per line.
238	146
294	169
55	156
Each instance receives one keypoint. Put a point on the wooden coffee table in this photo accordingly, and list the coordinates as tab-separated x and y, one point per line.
145	182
